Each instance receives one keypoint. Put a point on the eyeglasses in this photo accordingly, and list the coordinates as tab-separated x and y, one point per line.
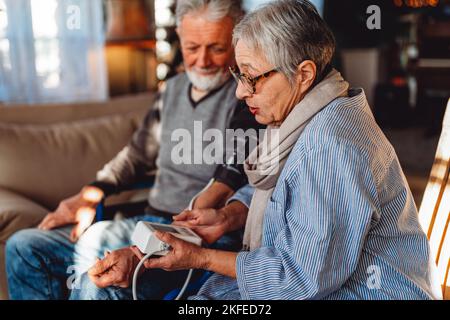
249	82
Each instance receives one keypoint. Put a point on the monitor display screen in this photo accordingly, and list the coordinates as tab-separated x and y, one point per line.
165	228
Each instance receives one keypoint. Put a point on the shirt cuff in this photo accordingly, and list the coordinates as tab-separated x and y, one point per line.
107	188
243	195
240	275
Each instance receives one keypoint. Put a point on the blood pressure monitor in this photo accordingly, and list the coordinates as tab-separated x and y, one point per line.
144	238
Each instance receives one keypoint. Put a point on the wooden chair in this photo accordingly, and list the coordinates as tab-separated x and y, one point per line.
434	213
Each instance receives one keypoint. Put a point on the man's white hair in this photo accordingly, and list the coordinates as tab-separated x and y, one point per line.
214	10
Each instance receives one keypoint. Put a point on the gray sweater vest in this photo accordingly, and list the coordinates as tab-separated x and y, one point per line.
177	183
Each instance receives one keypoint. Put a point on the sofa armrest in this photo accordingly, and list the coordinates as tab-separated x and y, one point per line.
17	212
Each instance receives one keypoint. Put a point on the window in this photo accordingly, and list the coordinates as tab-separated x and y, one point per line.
4	47
46	42
52	51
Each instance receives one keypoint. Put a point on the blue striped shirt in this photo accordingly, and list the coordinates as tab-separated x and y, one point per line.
341	223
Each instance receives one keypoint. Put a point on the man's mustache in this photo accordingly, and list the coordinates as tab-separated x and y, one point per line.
206	70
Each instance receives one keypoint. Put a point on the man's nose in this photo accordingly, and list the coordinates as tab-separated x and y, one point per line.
203	60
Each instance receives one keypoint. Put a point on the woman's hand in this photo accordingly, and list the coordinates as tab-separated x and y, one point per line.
210	224
182	255
185	255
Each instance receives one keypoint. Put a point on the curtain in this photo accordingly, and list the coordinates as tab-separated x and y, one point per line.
52	51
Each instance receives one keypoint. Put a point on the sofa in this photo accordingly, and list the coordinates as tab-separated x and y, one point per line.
49	152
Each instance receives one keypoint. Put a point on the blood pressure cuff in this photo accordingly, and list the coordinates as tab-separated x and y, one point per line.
232	171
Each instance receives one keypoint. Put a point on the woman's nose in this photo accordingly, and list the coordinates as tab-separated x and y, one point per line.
241	92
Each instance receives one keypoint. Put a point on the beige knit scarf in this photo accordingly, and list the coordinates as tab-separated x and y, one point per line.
265	163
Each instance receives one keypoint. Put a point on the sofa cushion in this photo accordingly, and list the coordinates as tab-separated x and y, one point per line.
48	163
16	213
54	113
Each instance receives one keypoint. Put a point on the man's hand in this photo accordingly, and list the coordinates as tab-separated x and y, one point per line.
78	210
210	224
116	269
182	256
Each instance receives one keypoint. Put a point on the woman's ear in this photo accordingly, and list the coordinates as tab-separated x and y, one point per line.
306	74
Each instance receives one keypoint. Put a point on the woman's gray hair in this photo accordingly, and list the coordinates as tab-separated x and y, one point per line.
215	9
288	32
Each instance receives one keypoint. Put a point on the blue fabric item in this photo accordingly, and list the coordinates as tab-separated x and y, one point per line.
99	212
244	195
100	209
45	264
341	223
191	288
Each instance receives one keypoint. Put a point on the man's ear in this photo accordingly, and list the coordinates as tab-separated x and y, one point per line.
306	74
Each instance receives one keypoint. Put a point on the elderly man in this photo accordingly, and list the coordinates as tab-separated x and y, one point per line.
41	261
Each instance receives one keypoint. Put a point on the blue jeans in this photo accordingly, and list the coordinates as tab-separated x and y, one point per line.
46	265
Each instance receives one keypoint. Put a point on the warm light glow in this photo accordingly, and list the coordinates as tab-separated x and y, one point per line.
438	173
434	215
161	71
85	215
162	4
440	238
3	19
92	194
164	17
43	14
163	48
161	34
416	3
430	197
48	62
5	54
440	222
45	30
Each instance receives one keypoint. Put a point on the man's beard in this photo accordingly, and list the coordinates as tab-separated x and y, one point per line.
209	82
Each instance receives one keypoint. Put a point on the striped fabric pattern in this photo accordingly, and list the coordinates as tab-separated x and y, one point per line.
341	223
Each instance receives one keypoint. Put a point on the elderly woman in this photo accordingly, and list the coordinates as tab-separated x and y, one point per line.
332	216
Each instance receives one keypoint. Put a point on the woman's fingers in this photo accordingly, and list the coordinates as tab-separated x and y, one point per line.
137	252
167	238
183	216
158	263
189	224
